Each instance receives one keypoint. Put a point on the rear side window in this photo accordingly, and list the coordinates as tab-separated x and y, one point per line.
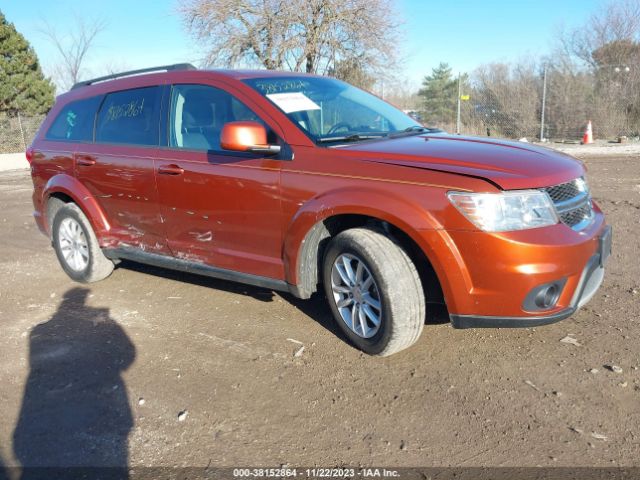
74	123
130	117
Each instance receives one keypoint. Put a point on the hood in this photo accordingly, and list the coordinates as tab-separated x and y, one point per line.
509	165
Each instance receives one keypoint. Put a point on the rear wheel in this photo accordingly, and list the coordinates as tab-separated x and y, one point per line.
374	291
77	247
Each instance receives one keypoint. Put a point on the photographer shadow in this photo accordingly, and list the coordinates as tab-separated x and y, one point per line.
75	409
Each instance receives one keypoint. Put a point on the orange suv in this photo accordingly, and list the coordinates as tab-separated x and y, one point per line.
303	183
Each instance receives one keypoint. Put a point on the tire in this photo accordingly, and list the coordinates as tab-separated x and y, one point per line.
394	292
71	232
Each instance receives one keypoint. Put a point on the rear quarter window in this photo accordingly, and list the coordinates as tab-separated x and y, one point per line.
75	121
130	117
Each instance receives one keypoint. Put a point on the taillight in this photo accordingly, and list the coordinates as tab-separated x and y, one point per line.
29	154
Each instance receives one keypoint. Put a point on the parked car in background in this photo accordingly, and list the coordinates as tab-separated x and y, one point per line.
415	115
305	184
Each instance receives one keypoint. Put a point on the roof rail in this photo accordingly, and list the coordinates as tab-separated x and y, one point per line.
177	66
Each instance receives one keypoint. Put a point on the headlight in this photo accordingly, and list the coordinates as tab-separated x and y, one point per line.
506	211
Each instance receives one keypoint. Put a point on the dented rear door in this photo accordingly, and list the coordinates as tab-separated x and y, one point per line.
118	169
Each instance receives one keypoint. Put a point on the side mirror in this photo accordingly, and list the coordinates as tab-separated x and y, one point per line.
246	137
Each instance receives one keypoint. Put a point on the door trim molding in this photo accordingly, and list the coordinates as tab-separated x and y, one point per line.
172	263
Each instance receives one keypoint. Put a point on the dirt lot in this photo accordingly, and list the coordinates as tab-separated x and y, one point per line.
157	368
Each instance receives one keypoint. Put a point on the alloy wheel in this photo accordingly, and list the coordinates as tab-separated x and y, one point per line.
356	295
73	244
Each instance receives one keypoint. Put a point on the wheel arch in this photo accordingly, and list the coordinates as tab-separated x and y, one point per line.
322	218
311	253
63	188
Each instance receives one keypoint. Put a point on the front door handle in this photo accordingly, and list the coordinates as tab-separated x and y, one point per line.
85	160
170	170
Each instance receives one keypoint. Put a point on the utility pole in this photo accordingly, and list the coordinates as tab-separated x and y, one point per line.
458	112
544	102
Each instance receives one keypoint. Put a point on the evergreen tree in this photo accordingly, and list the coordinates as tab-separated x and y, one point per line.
439	91
23	87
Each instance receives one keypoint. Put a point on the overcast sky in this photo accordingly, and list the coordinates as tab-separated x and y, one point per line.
463	33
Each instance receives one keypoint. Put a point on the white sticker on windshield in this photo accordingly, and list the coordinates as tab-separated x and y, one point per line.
293	102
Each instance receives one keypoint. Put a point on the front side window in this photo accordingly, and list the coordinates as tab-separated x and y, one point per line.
130	117
198	113
327	109
74	123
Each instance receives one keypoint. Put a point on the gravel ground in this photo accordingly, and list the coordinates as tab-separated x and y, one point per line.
152	368
598	148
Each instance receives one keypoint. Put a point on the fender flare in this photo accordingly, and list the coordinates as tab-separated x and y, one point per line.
307	227
71	187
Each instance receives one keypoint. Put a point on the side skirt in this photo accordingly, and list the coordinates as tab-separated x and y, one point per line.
172	263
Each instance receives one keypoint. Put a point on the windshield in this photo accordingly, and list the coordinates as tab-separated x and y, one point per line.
331	111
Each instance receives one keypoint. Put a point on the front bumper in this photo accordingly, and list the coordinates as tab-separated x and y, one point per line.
589	283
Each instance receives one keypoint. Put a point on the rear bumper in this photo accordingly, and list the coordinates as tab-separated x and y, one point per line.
589	283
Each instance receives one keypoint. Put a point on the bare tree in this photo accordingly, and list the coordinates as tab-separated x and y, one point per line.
401	93
362	32
617	23
607	46
115	66
593	73
355	72
315	36
506	99
72	48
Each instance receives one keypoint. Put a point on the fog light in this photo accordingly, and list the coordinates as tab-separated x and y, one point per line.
547	297
544	297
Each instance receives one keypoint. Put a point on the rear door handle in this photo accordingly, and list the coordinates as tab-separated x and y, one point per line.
170	170
85	160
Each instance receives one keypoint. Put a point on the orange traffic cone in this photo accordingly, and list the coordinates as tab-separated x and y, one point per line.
588	134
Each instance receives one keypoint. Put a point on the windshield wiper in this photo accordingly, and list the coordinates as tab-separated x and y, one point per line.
347	138
413	130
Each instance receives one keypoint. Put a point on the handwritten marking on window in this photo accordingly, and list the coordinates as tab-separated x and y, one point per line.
126	110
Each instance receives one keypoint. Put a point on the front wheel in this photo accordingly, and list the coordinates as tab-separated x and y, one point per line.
374	291
77	247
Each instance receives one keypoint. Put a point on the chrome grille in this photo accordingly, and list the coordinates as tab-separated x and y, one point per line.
573	203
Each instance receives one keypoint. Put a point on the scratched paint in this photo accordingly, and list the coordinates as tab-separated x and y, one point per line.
190	257
202	236
134	231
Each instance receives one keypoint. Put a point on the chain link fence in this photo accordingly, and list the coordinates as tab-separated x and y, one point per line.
17	131
512	107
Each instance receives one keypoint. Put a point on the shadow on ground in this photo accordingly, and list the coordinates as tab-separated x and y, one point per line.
75	410
315	308
3	472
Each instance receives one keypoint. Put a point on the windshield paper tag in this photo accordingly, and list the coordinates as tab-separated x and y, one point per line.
293	102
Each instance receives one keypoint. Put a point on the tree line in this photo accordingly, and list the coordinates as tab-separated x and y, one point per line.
593	73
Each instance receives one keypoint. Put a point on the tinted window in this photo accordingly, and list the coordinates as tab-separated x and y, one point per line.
75	121
130	116
198	113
